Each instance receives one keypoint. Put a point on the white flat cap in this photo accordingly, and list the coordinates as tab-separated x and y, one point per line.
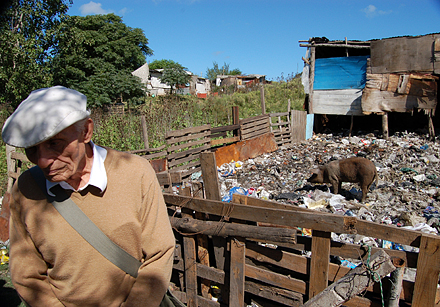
43	114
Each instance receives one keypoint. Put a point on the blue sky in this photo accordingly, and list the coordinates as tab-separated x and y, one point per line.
260	36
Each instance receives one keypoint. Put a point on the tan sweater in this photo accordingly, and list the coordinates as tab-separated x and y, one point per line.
52	265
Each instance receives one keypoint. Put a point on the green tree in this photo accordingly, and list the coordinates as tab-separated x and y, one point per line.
27	40
211	73
175	76
162	64
96	55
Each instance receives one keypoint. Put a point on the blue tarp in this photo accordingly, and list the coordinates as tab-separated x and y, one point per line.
340	73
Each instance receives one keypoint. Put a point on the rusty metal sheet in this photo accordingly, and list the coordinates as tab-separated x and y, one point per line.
248	149
159	165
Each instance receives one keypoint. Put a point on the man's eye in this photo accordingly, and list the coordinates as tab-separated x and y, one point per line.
56	145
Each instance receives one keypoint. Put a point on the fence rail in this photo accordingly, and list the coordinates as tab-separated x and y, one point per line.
253	263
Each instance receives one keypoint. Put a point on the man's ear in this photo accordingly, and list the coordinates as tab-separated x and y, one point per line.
88	130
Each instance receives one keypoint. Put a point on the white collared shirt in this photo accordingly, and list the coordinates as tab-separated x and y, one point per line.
98	175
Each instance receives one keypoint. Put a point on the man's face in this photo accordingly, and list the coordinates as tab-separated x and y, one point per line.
63	156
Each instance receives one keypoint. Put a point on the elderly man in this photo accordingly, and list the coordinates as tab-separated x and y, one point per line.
51	264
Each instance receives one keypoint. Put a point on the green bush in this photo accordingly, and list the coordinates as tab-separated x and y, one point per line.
174	112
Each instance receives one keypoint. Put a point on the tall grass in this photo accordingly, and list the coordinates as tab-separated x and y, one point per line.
124	132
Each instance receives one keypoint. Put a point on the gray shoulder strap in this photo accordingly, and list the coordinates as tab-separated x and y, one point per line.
87	229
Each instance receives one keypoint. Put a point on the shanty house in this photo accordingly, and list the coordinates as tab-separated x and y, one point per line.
372	77
240	81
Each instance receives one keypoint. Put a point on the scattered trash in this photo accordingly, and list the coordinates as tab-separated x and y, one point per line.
407	193
4	256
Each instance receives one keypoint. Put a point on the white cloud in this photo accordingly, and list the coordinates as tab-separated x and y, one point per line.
93	8
123	11
371	11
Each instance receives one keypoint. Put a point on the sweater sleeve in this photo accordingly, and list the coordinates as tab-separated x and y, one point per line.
28	268
157	246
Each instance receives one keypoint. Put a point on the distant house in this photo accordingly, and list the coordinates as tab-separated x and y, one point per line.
154	85
239	81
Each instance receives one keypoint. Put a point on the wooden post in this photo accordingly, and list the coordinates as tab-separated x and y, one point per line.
428	269
190	260
11	164
385	125
209	175
235	119
237	272
263	102
210	180
396	282
351	126
145	132
311	79
431	127
319	264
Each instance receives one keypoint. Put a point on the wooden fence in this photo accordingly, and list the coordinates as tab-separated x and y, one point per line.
252	250
266	265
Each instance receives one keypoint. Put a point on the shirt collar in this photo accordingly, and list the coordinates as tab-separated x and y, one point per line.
98	175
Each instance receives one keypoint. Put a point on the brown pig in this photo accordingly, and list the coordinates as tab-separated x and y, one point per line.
355	169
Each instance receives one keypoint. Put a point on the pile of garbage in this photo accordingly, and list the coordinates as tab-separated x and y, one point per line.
407	193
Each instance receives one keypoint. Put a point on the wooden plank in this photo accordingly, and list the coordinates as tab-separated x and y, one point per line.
253	119
203	301
185	166
251	126
375	101
319	264
190	259
280	124
192	151
174	148
186	138
307	219
278	295
276	279
189	247
224	128
254	134
164	178
146	150
211	273
401	54
237	273
190	130
428	269
19	156
279	114
188	169
338	102
298	125
210	176
225	140
155	155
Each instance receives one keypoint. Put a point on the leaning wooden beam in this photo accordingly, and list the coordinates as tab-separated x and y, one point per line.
396	283
221	229
354	282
